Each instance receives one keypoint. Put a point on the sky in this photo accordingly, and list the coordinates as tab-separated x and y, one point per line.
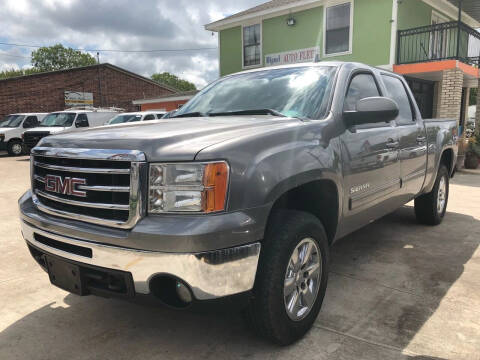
123	25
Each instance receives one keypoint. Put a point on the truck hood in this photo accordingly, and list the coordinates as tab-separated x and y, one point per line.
168	139
50	129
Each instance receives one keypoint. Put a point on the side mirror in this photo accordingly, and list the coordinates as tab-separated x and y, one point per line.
372	110
81	122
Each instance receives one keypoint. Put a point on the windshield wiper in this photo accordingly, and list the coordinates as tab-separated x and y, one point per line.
249	112
191	114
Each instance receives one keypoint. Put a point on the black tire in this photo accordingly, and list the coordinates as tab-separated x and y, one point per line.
267	312
15	148
426	206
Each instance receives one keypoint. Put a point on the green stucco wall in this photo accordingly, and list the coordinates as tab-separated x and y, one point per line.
307	32
230	50
414	13
371	38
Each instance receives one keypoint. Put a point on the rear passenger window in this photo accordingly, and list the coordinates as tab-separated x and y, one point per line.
397	92
149	117
361	87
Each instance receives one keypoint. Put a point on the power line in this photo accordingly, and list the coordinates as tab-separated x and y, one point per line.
116	50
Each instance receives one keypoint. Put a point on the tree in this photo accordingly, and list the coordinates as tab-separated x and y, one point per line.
14	73
58	57
173	81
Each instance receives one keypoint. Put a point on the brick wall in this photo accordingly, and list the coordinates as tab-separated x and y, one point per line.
165	105
449	96
45	92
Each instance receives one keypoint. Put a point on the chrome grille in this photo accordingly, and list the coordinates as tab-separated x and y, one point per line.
108	188
31	138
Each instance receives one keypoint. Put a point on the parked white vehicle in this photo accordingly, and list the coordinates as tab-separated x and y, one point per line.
136	116
67	120
13	126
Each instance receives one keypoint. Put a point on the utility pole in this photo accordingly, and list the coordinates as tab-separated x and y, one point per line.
98	57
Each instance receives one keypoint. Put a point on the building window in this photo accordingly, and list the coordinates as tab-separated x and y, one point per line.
338	23
252	44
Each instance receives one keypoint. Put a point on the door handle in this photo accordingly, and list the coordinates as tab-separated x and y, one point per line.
421	139
392	144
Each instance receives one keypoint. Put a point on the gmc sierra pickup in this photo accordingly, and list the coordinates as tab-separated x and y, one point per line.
240	194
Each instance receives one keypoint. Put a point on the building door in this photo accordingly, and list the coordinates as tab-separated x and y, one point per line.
423	91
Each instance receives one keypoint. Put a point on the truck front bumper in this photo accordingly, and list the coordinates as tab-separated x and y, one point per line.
208	274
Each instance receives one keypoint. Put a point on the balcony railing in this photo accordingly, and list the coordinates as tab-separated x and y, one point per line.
450	40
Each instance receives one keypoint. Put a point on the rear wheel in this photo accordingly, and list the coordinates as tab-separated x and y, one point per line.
15	148
291	279
430	208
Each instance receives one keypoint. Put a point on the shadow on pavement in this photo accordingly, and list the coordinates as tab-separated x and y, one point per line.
386	281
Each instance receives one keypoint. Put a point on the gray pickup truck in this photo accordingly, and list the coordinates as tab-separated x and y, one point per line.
240	195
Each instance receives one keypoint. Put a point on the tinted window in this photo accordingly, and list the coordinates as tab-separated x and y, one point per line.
30	122
361	87
396	91
149	117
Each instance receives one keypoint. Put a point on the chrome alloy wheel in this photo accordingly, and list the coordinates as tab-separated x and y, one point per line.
17	148
302	279
441	195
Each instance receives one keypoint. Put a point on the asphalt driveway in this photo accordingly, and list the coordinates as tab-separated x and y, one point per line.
397	290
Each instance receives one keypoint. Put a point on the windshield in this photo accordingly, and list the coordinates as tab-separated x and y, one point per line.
294	92
125	118
12	121
58	119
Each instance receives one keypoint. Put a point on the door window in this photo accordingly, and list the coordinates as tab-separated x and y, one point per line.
397	92
361	86
30	122
149	117
82	120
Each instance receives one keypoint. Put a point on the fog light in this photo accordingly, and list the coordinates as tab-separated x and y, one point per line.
183	292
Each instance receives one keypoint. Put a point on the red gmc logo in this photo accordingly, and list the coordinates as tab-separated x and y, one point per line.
66	186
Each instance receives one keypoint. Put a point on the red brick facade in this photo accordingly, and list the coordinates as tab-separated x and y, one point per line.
110	85
164	105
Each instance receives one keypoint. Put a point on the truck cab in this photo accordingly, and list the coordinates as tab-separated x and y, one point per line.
13	126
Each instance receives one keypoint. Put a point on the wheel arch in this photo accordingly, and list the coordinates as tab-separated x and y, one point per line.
320	197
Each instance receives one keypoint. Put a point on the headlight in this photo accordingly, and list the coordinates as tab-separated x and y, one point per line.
188	187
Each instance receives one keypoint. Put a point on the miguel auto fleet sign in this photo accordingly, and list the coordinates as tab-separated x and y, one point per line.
292	57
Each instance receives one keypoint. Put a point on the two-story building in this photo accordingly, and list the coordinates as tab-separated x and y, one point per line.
432	42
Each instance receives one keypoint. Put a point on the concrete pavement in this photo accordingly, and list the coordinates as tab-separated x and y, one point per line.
397	290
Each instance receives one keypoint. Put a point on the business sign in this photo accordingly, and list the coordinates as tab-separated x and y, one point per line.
76	98
293	57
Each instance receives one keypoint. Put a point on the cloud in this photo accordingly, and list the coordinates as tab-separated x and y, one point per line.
121	24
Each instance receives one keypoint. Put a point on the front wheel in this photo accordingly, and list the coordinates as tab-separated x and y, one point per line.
430	208
15	148
291	278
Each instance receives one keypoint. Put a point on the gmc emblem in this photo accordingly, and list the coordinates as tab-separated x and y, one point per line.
66	186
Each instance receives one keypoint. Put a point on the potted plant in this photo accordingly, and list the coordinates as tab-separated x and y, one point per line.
472	155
